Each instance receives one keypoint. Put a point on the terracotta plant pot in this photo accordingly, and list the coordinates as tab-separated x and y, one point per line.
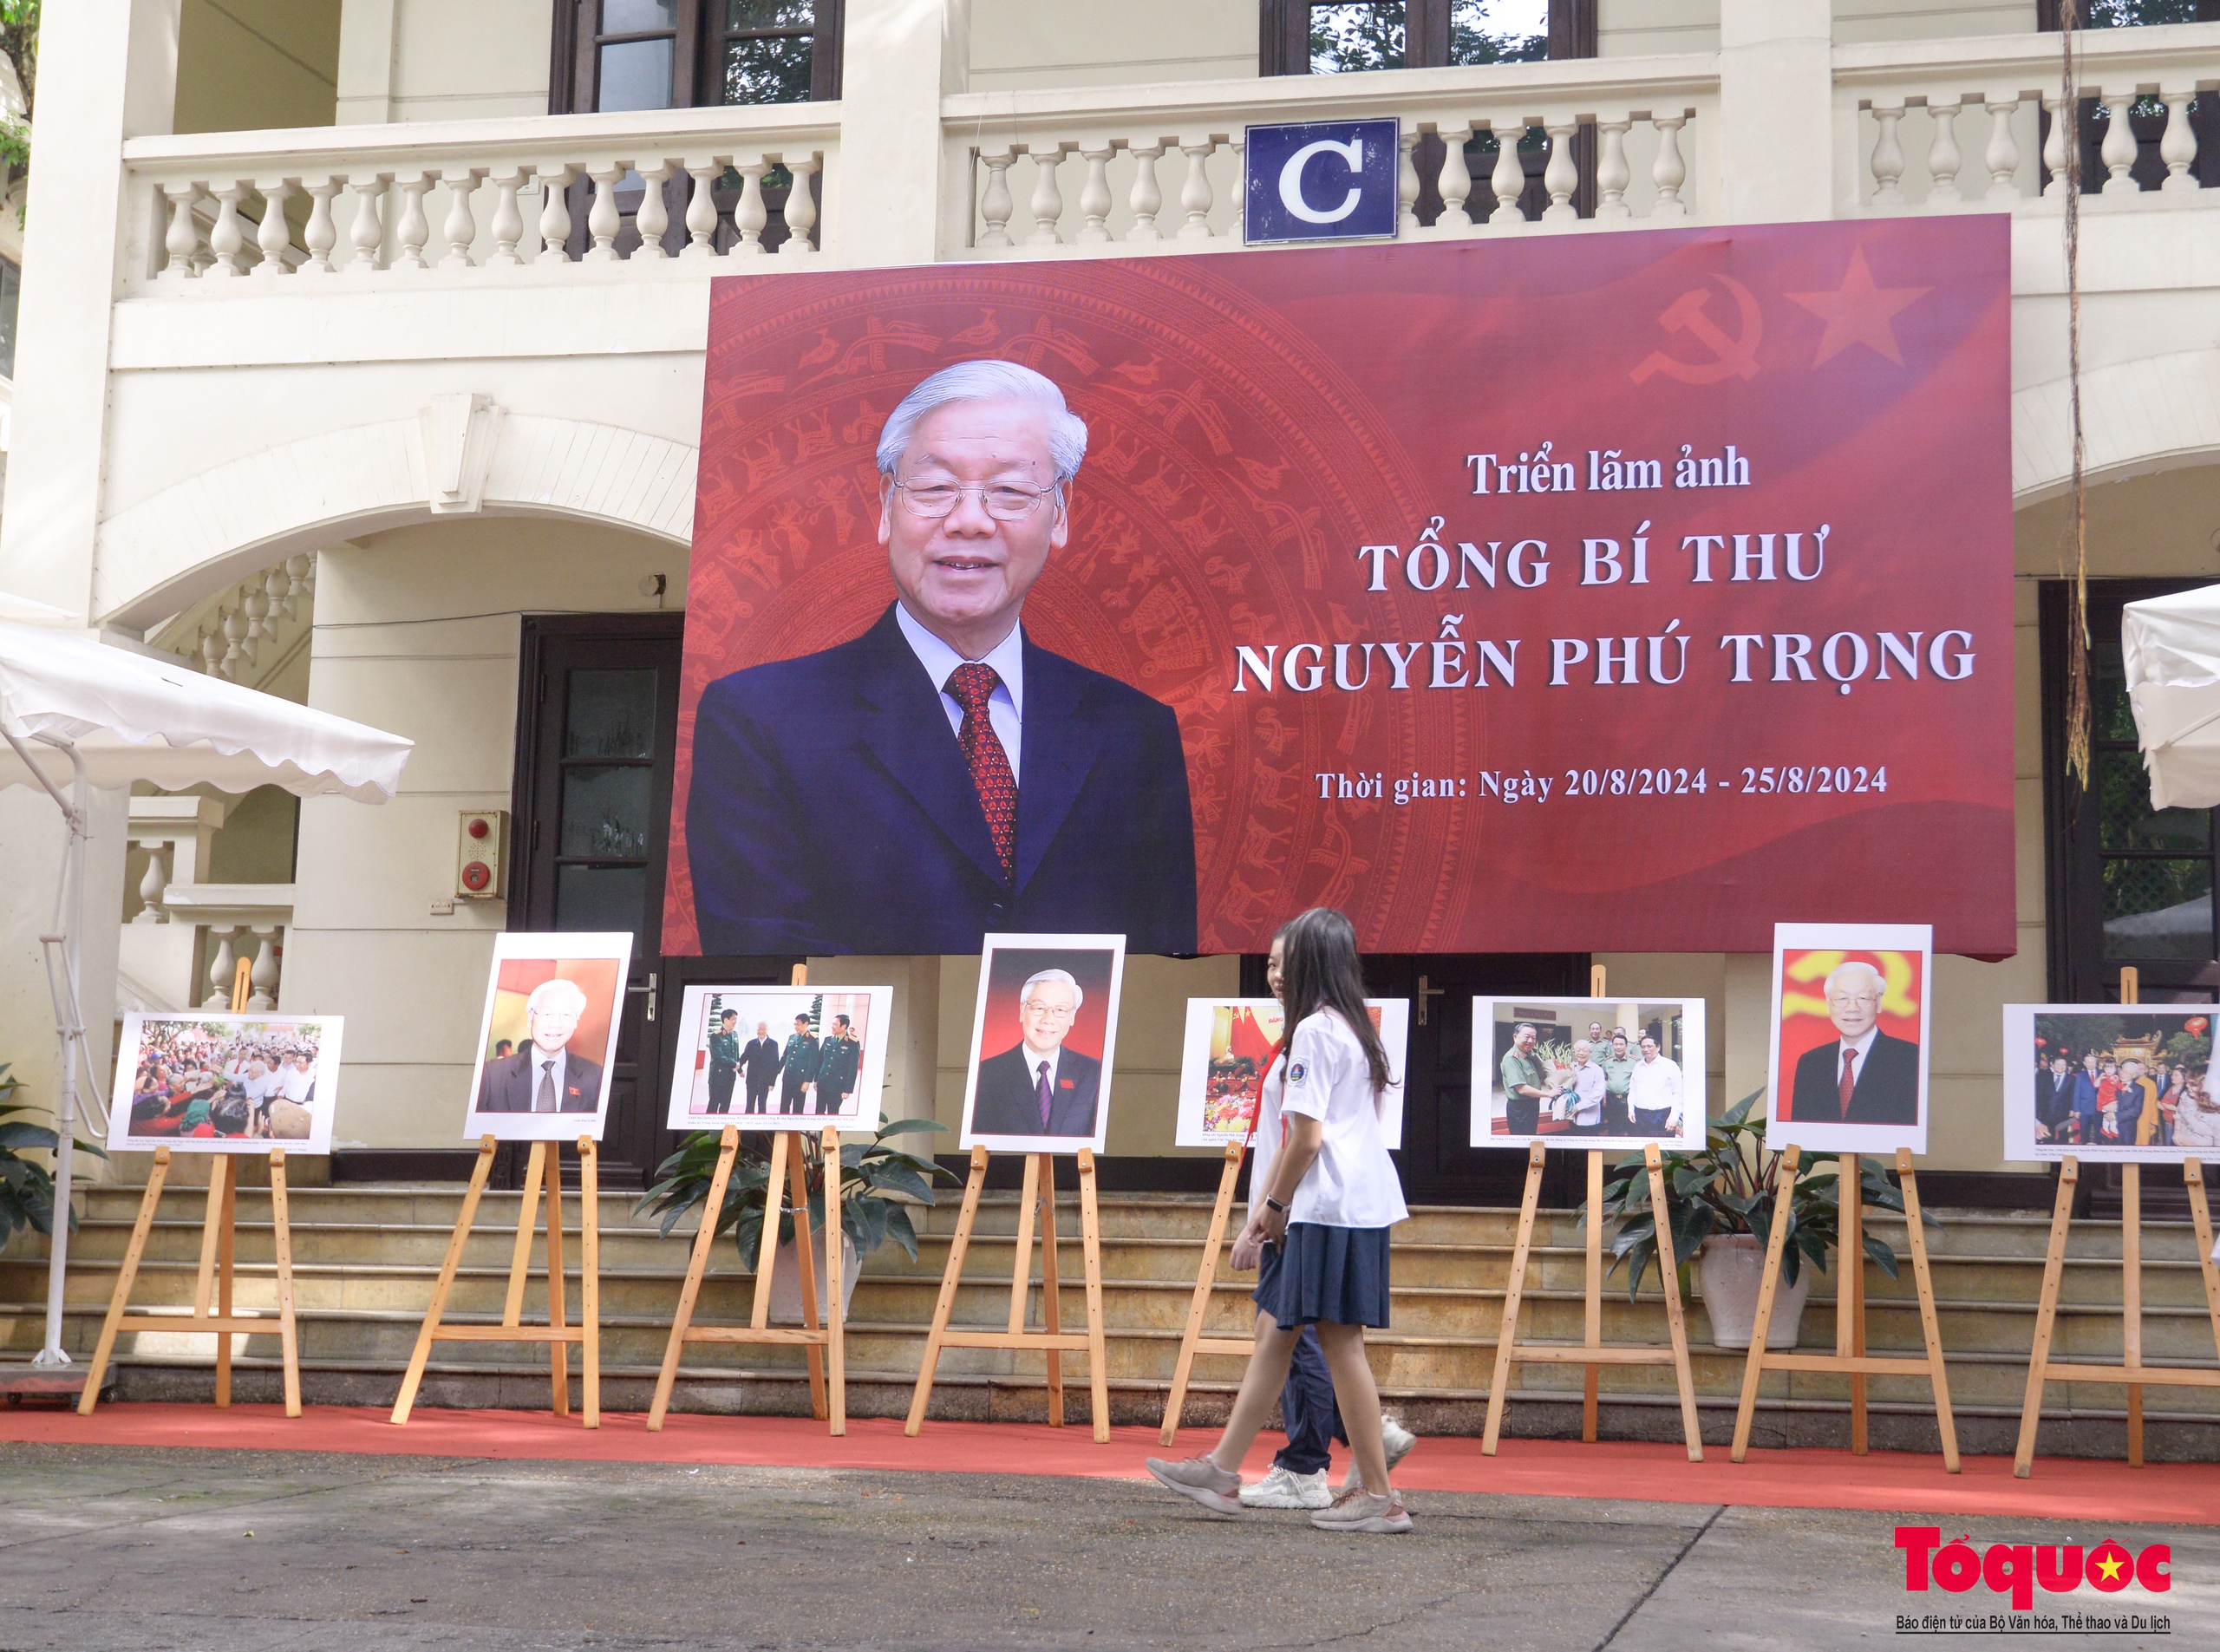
1729	1268
785	1279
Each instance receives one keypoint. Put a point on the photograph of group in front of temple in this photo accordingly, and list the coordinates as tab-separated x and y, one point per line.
1588	1072
779	1058
1848	1067
2127	1082
1228	1046
203	1082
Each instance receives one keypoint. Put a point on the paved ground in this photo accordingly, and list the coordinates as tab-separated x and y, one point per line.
109	1548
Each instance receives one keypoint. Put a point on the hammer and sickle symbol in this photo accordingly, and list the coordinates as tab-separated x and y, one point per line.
1688	314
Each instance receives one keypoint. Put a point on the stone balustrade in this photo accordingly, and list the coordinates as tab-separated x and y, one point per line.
234	920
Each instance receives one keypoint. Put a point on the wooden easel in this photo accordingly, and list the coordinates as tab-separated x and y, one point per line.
1192	1340
219	1236
1052	1341
1849	1355
2131	1369
542	1167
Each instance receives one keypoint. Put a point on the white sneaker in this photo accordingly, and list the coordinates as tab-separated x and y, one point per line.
1396	1438
1285	1489
1202	1479
1359	1511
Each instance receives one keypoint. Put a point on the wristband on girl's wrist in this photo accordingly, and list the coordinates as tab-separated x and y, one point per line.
1271	1203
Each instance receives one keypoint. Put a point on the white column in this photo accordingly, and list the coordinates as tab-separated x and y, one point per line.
902	55
1776	97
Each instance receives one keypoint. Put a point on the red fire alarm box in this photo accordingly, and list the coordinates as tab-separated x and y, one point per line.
482	858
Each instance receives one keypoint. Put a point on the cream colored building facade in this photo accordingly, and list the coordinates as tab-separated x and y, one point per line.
322	385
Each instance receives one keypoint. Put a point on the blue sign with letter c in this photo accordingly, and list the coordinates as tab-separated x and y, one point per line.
1321	181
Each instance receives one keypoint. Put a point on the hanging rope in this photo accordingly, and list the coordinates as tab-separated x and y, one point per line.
2077	682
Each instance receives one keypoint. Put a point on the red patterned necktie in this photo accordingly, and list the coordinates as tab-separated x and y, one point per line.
1846	1086
969	686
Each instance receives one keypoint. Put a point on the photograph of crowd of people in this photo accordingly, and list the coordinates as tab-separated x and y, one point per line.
1848	1068
2121	1081
548	1040
205	1082
779	1058
1229	1045
1588	1072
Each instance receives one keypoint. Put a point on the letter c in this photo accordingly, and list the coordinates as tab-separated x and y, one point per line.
1291	180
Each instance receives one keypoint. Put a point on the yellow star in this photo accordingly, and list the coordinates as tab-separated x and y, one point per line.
2110	1565
1858	313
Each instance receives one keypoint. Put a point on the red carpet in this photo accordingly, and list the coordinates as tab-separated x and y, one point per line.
2061	1488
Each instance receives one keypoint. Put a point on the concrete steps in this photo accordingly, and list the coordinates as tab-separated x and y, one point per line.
364	1259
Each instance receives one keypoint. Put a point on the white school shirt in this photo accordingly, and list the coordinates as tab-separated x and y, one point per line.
1352	1183
1005	707
1655	1087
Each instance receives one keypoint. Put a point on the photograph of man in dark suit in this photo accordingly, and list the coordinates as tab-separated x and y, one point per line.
759	1060
798	1067
943	775
546	1076
1038	1088
2054	1099
1863	1075
724	1060
842	1059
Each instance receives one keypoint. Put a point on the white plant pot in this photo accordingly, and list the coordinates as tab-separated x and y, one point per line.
785	1279
1730	1268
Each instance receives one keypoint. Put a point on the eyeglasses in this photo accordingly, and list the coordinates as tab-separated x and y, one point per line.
1051	1012
1004	502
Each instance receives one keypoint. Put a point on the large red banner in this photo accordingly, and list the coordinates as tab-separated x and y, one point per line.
1618	592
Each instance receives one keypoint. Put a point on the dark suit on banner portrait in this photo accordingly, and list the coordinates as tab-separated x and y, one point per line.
1887	1088
833	811
506	1085
759	1065
1008	1098
798	1068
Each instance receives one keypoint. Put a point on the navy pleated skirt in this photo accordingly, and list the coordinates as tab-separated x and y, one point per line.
1339	1275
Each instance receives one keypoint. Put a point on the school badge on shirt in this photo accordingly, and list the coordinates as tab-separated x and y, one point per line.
1297	1072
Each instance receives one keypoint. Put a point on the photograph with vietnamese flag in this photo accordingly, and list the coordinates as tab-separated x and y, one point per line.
1848	1069
1229	1047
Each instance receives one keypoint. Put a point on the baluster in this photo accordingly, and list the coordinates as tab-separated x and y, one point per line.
995	204
319	235
415	229
1613	174
2178	147
602	219
1668	172
238	649
702	209
1509	178
1094	196
1047	203
2002	158
554	214
1197	195
219	971
751	215
801	209
1406	186
212	654
460	231
506	226
225	238
256	606
1455	181
2118	149
182	241
1146	199
263	976
274	592
653	218
367	233
300	571
2054	148
155	880
1888	155
1943	157
274	236
1239	232
1561	175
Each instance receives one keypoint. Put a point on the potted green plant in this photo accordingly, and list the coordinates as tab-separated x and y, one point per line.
878	1183
1721	1208
26	1185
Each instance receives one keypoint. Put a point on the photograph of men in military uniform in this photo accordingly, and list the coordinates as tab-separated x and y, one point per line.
798	1067
828	1066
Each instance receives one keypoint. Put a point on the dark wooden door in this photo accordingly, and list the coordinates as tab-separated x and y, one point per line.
598	722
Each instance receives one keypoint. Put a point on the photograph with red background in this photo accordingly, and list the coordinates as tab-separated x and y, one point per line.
1009	970
512	987
1805	1023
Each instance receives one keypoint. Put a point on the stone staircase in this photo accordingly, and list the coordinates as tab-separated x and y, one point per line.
365	1257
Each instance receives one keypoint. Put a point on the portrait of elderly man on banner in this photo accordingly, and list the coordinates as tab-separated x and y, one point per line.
943	774
1850	1032
1042	1043
547	1039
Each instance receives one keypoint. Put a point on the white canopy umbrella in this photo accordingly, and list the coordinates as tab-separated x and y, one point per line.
76	714
2170	646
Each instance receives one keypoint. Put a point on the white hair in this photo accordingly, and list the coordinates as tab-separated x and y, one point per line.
1025	992
1827	987
558	987
987	381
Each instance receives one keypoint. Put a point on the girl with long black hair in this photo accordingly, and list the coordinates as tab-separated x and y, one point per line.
1319	1228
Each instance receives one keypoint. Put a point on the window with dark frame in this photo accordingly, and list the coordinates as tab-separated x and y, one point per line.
1350	36
617	55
